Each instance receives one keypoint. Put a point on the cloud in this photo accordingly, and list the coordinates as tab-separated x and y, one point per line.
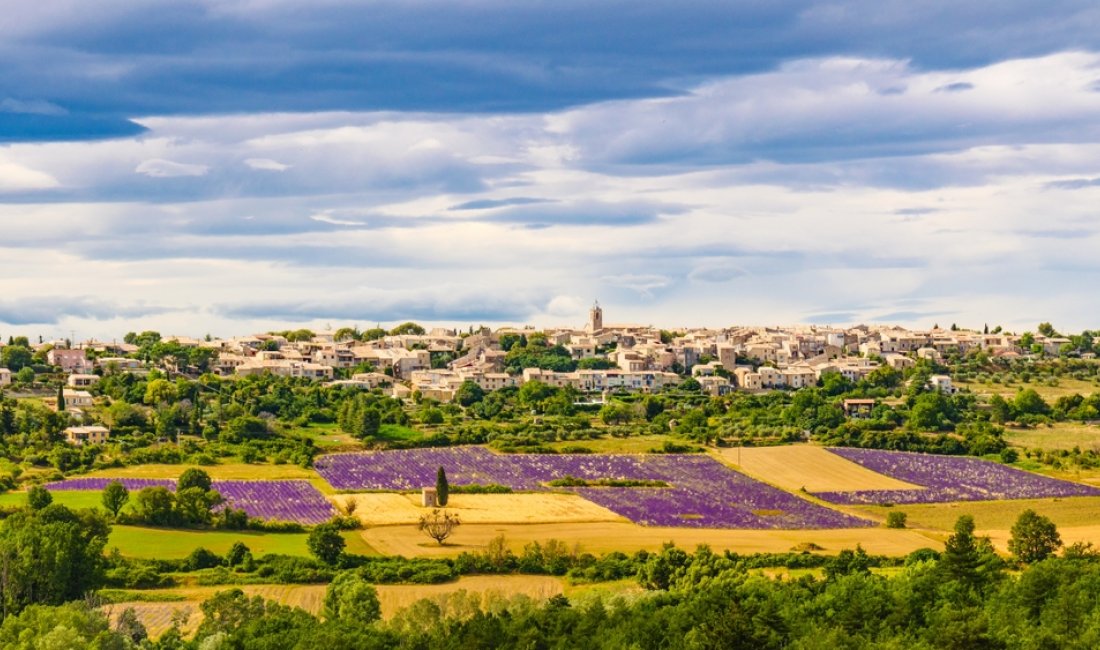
50	310
266	164
461	306
829	109
489	204
715	273
956	87
643	284
1074	184
159	168
33	107
15	177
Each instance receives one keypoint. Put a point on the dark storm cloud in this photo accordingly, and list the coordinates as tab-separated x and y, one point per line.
130	59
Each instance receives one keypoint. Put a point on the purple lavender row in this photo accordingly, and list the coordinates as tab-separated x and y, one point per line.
703	493
296	501
948	478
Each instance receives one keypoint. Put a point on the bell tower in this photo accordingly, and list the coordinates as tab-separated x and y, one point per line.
595	317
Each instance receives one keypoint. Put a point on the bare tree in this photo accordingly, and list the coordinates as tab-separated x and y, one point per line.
350	504
439	525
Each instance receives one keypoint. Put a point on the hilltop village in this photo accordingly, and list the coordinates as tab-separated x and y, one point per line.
596	358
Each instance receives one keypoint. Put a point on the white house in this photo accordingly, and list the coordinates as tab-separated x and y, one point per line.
93	435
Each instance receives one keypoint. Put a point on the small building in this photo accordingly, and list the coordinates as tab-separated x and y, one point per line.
941	383
5	376
858	408
81	380
68	360
91	435
77	398
429	498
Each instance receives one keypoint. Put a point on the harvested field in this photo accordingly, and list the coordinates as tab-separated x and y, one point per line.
1067	512
157	616
389	508
394	598
793	467
605	537
1070	535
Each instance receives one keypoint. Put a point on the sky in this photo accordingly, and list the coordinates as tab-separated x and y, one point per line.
232	166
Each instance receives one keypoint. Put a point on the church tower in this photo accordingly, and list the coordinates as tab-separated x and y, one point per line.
595	318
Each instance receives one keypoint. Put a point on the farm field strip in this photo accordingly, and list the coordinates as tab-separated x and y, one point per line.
948	478
296	501
797	467
157	616
627	537
702	492
171	543
389	508
1070	512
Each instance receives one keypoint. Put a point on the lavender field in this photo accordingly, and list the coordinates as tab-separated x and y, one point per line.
296	501
702	492
948	478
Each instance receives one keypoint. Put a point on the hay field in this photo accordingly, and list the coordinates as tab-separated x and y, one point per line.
389	508
992	515
627	537
1070	535
157	616
1059	435
793	467
394	598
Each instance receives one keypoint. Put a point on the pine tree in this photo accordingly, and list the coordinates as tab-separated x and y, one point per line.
442	488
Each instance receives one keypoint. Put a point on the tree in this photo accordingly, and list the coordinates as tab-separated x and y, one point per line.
72	625
60	398
896	519
1029	401
407	328
38	497
469	393
237	554
50	556
1046	329
351	598
115	496
1034	537
442	487
130	627
326	543
15	357
156	506
439	525
194	478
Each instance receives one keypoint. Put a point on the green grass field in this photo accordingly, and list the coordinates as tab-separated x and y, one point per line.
163	543
227	471
1059	435
326	436
1066	386
1076	511
72	498
609	445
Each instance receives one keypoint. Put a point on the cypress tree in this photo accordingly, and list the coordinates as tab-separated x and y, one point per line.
442	488
60	398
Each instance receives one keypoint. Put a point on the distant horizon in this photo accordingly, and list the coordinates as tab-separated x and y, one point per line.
319	327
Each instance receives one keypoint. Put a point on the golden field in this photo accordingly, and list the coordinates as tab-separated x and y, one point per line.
389	508
815	469
604	537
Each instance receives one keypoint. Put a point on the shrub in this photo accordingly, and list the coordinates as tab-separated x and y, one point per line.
896	519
